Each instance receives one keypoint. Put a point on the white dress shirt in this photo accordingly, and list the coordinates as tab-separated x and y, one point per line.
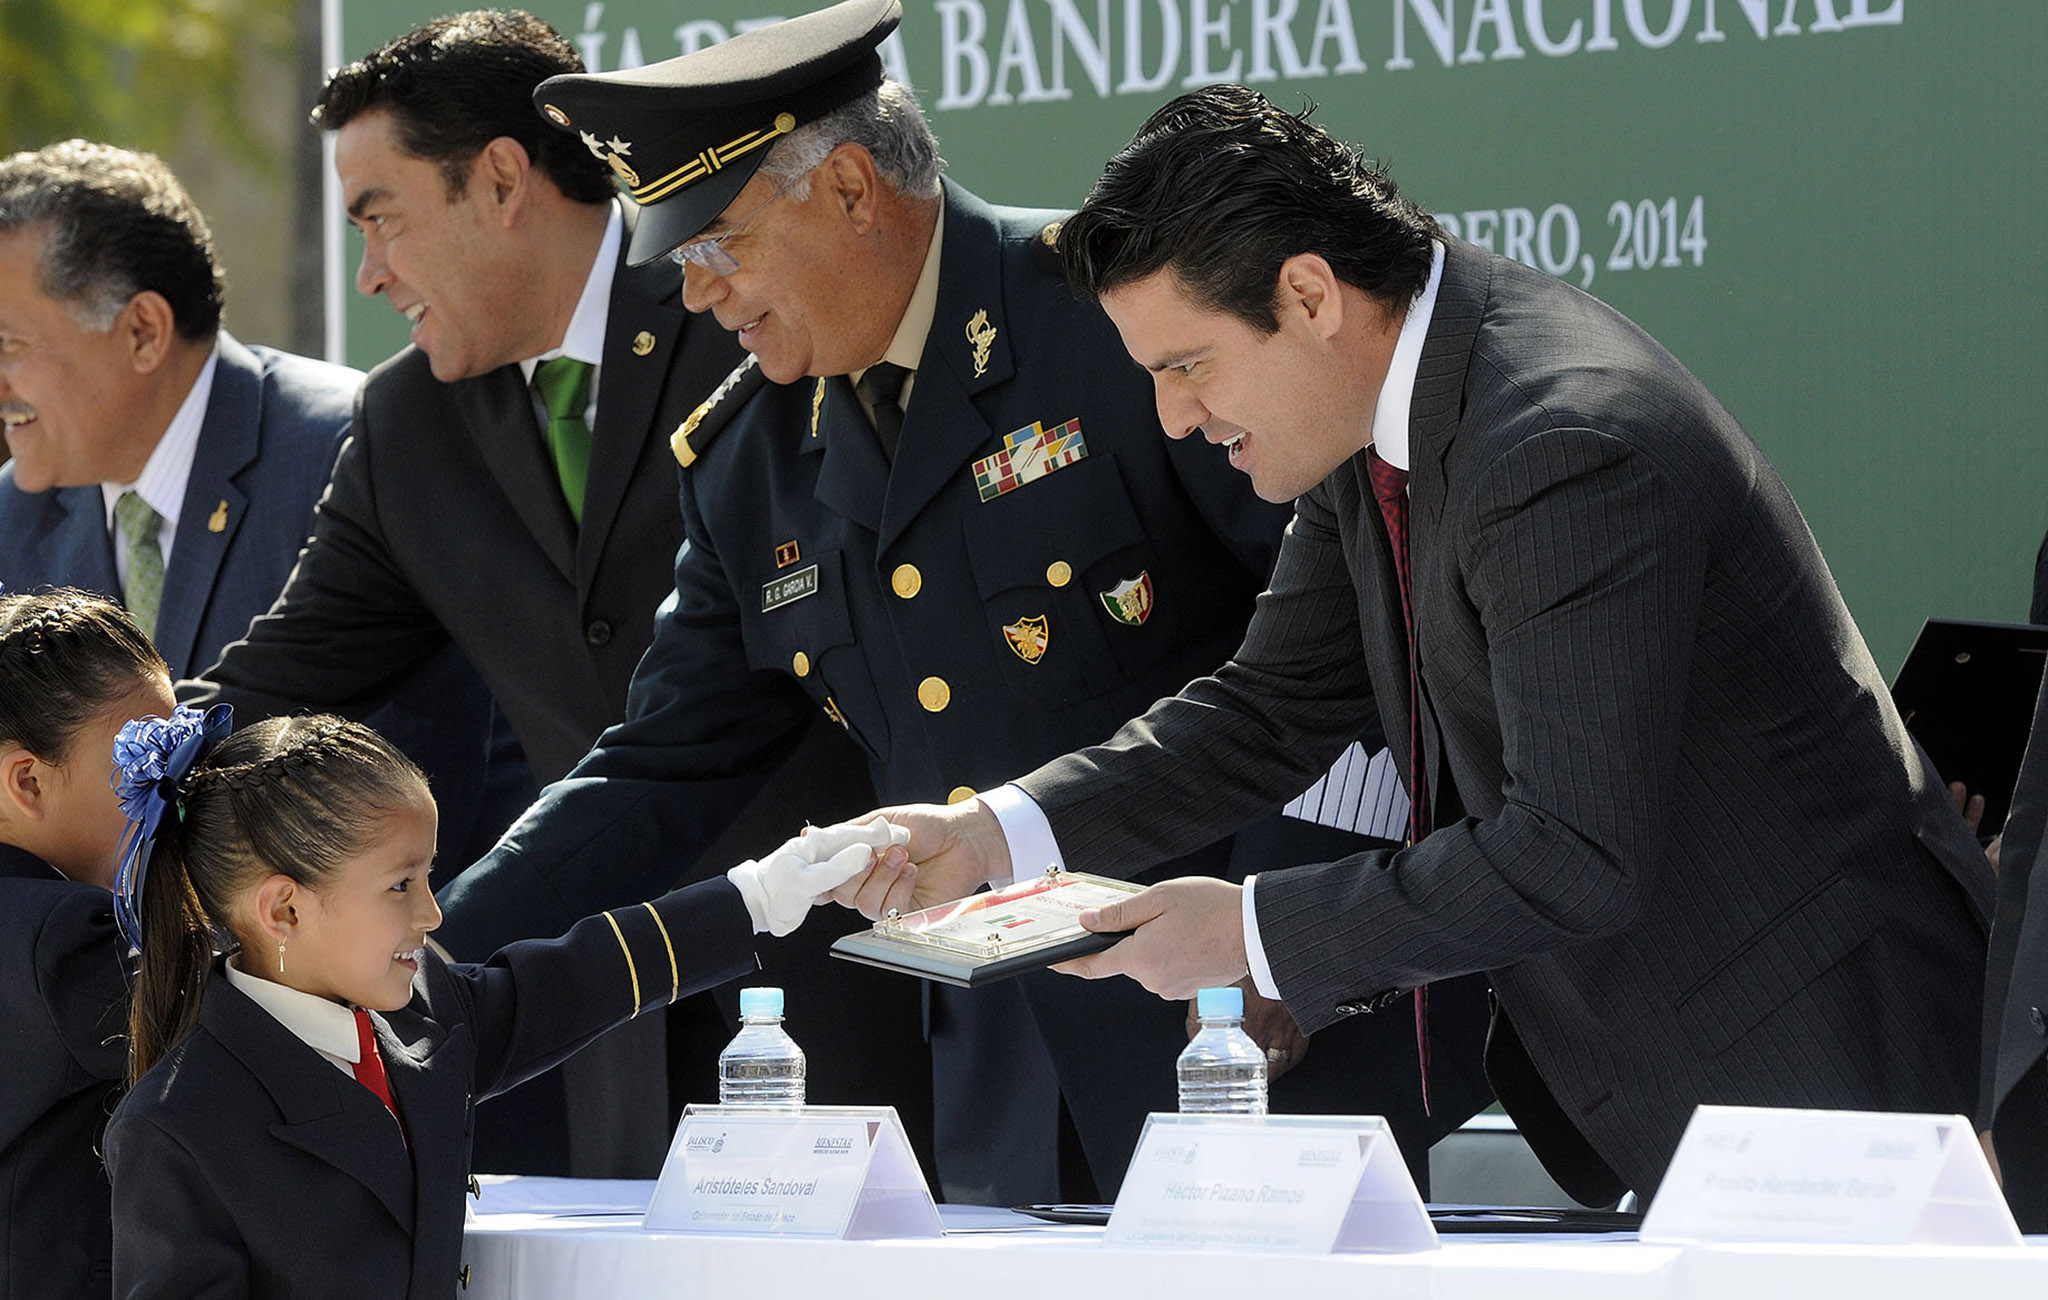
166	472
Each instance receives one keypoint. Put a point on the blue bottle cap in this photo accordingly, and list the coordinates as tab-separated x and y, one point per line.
768	1002
1211	1002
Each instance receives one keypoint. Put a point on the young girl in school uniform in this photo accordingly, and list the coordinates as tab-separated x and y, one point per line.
73	668
300	1121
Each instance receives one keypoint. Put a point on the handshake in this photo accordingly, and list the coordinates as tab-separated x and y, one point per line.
781	889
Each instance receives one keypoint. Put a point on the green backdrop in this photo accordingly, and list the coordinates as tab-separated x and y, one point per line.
1830	209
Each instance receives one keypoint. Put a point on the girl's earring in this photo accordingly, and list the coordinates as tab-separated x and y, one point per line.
280	956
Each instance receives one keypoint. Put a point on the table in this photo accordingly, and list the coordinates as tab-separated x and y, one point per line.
576	1239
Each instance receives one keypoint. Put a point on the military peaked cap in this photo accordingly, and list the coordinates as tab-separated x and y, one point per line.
685	135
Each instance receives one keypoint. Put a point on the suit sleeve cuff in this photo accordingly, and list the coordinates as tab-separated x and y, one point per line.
1028	834
1254	948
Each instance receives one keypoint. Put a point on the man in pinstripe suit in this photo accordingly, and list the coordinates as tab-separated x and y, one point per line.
1677	820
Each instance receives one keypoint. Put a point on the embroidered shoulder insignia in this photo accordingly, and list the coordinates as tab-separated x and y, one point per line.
711	415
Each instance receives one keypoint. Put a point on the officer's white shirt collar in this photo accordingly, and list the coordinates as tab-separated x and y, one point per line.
168	468
906	349
1390	417
327	1027
584	339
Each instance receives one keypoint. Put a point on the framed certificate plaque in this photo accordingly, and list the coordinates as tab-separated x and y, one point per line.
991	936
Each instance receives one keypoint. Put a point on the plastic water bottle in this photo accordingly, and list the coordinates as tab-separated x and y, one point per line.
1222	1071
762	1066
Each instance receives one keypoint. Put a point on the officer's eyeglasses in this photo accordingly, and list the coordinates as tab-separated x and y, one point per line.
710	253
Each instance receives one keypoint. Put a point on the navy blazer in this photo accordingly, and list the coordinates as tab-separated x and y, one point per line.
63	1012
274	422
245	1164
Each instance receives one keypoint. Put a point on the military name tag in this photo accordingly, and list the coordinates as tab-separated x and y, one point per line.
785	591
1029	454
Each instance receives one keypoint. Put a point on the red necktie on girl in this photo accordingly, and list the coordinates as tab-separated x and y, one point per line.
1390	486
369	1066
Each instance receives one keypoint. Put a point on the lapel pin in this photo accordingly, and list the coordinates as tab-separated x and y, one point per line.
643	343
983	336
1028	637
1130	601
786	555
217	522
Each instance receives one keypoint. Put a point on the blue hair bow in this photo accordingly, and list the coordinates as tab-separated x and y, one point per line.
151	756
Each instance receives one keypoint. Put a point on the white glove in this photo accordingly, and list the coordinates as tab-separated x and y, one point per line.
781	888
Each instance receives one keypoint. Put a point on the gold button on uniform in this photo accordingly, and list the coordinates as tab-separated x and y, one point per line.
907	581
801	665
1059	573
961	794
934	694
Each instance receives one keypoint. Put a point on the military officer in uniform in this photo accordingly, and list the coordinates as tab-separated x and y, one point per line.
934	503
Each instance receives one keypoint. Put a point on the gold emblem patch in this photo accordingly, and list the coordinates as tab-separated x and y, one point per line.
1130	601
786	555
983	336
1028	638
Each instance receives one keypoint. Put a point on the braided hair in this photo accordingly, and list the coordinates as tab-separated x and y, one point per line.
65	656
293	796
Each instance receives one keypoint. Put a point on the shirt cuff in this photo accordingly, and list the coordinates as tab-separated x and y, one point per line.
1032	846
1254	949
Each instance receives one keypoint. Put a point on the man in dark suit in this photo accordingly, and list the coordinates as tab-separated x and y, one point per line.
159	461
1676	819
887	553
153	454
461	510
2014	1105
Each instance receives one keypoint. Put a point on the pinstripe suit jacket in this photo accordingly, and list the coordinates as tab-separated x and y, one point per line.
2015	1101
1681	825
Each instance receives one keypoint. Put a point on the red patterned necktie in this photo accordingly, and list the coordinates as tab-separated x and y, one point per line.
369	1066
1390	486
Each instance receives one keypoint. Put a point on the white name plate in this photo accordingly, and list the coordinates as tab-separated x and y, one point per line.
1302	1184
1748	1174
824	1171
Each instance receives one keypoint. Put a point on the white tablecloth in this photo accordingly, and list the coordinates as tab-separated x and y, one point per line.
567	1239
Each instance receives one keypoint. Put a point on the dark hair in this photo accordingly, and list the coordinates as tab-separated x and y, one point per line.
455	84
65	655
119	223
297	796
1221	186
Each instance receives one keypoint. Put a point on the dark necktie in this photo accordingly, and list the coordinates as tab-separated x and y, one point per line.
1390	486
564	388
882	389
369	1066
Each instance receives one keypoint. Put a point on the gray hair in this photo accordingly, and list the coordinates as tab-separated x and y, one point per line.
886	122
117	222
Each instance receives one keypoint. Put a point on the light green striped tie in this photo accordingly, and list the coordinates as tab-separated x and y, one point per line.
144	589
564	387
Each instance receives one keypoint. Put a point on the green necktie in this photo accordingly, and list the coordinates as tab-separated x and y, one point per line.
564	387
144	589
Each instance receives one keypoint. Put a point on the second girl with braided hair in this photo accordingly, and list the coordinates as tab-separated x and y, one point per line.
299	1125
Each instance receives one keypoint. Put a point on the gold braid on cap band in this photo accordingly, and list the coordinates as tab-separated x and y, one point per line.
631	969
675	977
710	161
